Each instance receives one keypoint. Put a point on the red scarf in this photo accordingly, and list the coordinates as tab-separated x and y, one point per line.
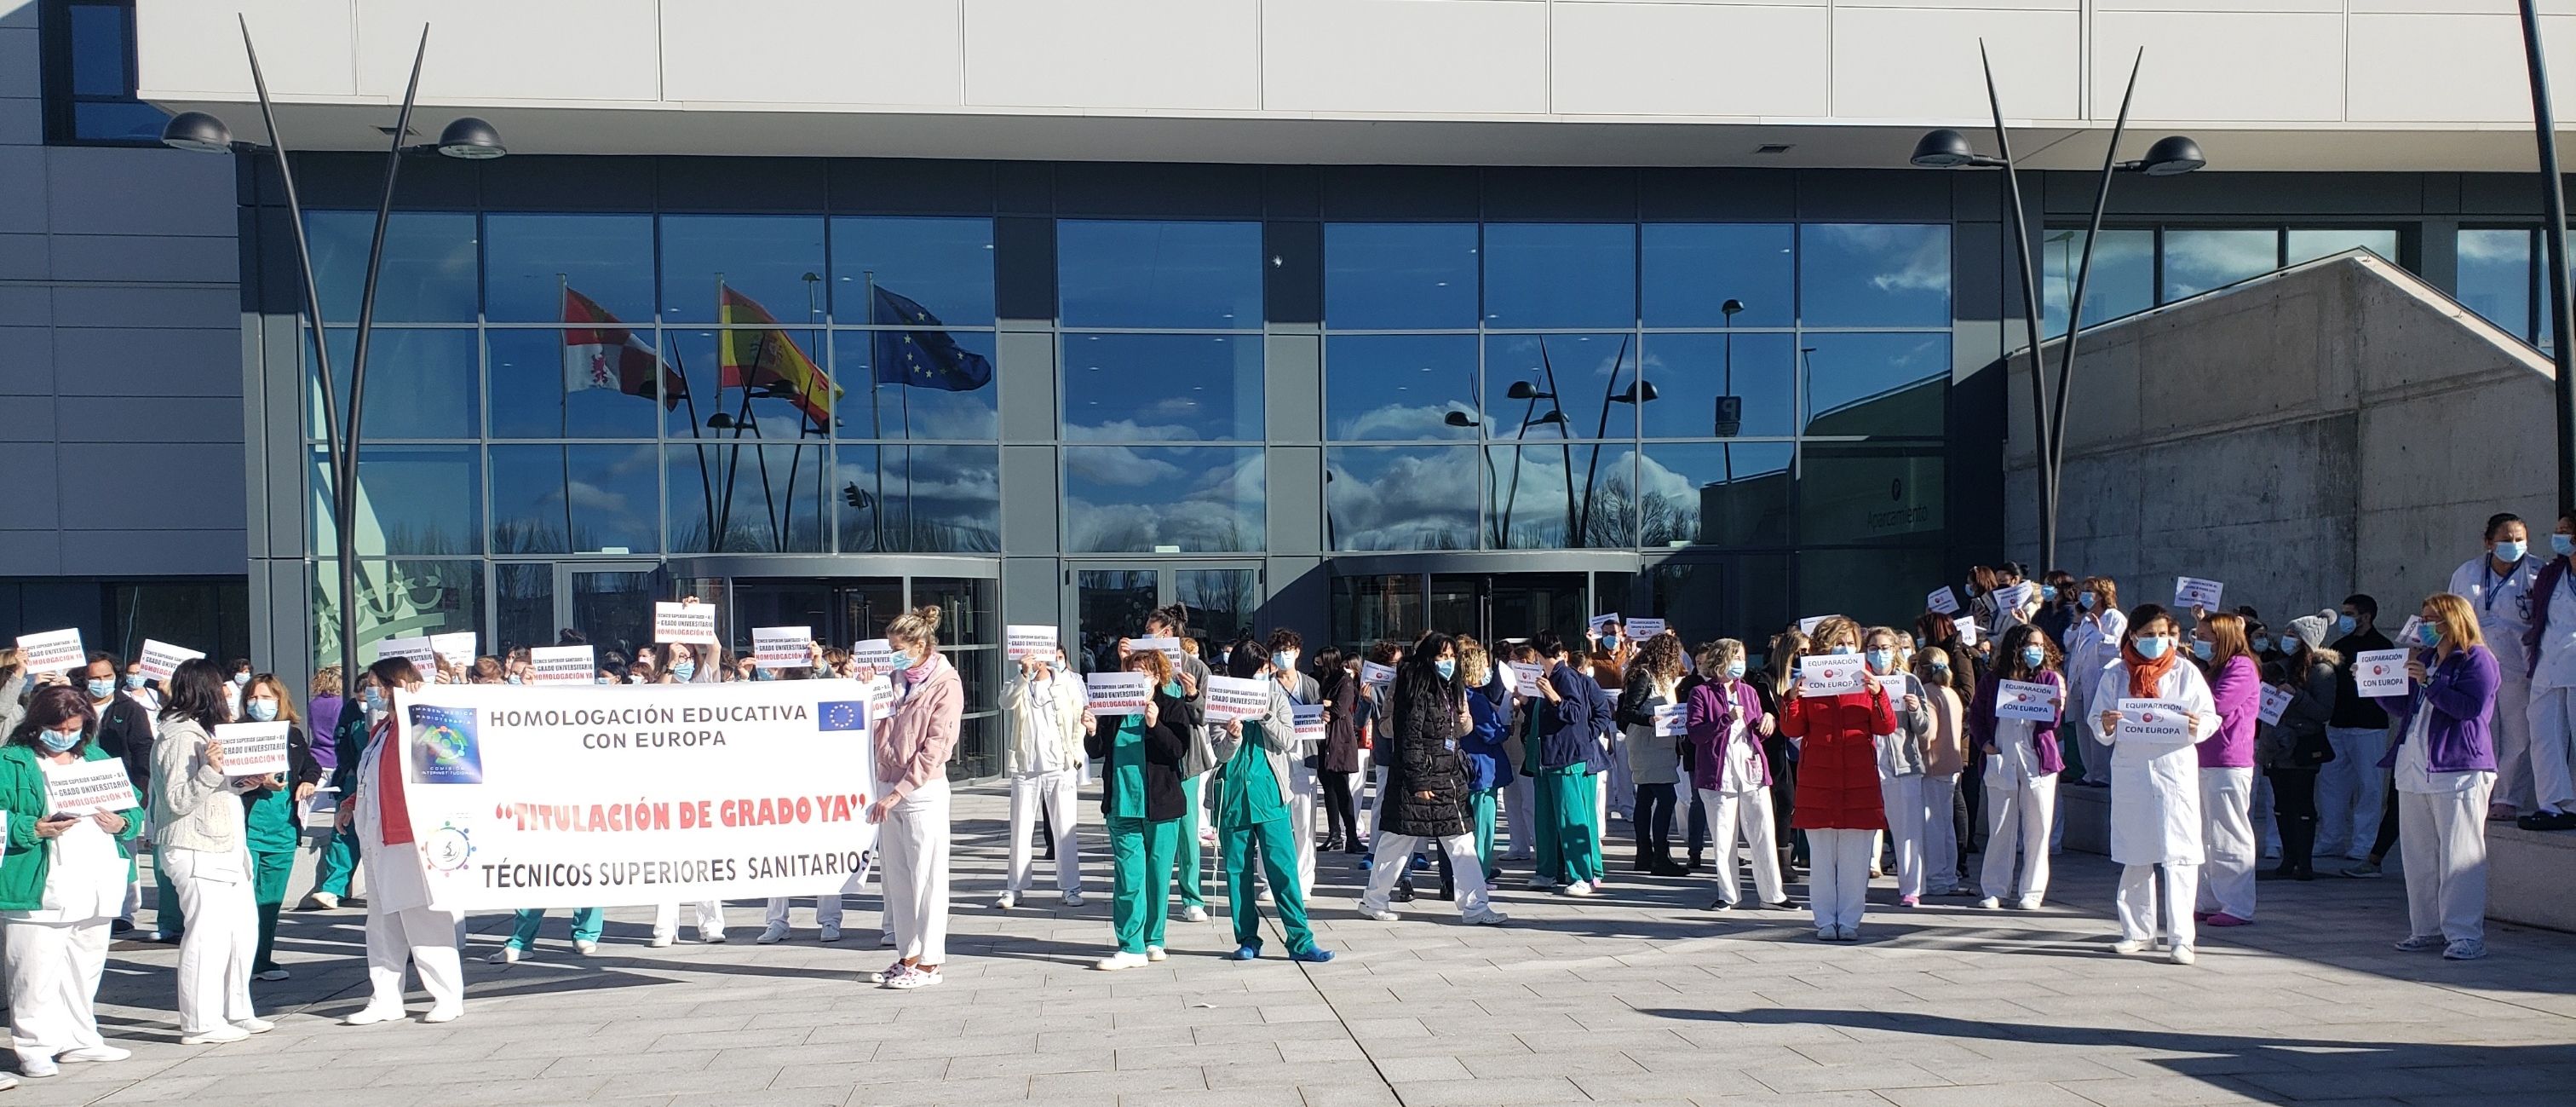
2146	678
393	812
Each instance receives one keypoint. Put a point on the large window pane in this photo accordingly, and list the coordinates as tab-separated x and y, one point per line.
1399	276
118	121
735	497
576	499
2123	280
1693	270
1745	598
1877	587
532	260
1560	275
936	384
420	383
2197	261
943	265
1534	504
1121	499
791	394
411	500
1162	388
1856	493
1560	385
528	397
921	499
1874	275
428	274
1691	372
2496	276
1715	494
1401	497
1877	384
100	49
397	599
2312	243
1134	273
1400	387
523	603
772	261
1220	602
1369	609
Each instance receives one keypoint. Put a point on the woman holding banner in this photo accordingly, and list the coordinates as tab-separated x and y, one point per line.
2155	778
1840	804
200	833
1141	800
912	747
61	883
269	810
2023	759
402	929
680	663
1252	823
2444	763
1727	726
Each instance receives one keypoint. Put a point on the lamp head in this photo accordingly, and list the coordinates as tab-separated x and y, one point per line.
1524	390
1460	419
720	421
470	139
2172	156
1637	393
1730	307
1547	418
198	132
1944	149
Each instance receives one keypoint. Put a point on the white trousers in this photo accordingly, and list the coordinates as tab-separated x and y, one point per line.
2227	841
53	971
1520	814
1619	791
419	937
223	933
2513	743
1838	876
1903	798
2443	837
1057	793
2018	816
912	852
2137	902
666	919
1304	791
2264	816
1940	835
1375	802
2350	791
1747	814
1394	855
2553	736
827	910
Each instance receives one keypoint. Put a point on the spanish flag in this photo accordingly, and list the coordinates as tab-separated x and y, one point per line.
768	363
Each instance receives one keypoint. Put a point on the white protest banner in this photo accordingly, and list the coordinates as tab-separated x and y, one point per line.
2191	592
253	749
561	796
2406	639
562	665
2012	596
1032	640
1642	628
2275	701
2380	673
1599	622
775	648
1831	675
1671	721
51	652
82	787
690	623
1373	674
161	659
1117	693
1310	721
1171	647
2025	699
1807	626
455	649
874	653
1942	601
1967	629
2151	721
880	696
414	650
1231	698
321	810
1526	677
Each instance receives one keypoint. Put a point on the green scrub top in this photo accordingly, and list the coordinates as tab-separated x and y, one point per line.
270	821
1127	765
1251	791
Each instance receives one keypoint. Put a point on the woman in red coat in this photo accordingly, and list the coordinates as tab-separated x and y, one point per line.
1839	804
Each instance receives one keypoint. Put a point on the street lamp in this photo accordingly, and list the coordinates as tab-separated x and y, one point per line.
466	138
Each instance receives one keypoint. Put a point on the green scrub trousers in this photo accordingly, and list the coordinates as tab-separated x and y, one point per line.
1190	855
1569	844
1481	805
1140	870
587	923
339	863
269	827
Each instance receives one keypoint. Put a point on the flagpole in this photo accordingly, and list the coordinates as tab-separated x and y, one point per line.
876	416
563	453
689	396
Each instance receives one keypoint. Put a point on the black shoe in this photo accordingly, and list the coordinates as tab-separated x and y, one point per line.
1783	905
1403	892
1721	905
1448	892
2283	873
2547	820
1664	867
1696	863
121	927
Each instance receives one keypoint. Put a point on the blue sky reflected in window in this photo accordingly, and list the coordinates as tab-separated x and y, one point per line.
1399	387
1690	371
2123	280
1135	499
763	257
1692	269
1874	275
1878	384
1399	276
1147	274
1560	275
1401	497
576	499
1715	494
1567	374
431	260
910	411
945	265
531	259
1162	388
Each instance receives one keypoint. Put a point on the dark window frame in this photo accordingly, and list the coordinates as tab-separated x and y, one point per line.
61	105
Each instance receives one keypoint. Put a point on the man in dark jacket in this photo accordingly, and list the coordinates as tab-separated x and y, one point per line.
2351	788
1426	781
1573	714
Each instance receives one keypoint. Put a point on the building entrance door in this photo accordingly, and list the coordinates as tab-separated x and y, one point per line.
1494	606
611	602
1109	601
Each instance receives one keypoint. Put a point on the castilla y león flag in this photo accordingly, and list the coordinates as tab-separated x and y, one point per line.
600	352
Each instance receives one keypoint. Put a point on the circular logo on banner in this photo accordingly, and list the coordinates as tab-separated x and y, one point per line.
447	745
446	849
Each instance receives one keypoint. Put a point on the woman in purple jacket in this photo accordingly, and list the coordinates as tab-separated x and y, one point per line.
1726	723
2023	759
2445	763
2227	772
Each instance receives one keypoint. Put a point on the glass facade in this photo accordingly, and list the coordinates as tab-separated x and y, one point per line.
2137	268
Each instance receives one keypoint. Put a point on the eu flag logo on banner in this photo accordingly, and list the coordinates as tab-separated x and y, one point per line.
446	745
841	715
922	355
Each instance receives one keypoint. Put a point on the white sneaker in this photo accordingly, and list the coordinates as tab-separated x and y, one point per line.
1155	953
885	939
1828	934
7	1082
443	1014
2127	946
1120	960
37	1068
2028	903
1990	903
586	949
910	979
1848	934
831	932
254	1024
1378	913
2182	955
776	933
661	940
1194	914
1007	901
1073	899
217	1036
101	1053
506	955
712	937
1578	888
1485	917
371	1015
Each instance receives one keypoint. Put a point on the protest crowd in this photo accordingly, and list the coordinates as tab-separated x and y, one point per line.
1929	756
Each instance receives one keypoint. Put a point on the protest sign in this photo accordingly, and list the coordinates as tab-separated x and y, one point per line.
690	623
1231	698
82	787
1310	721
2191	592
562	665
1671	721
875	653
161	659
1117	693
2024	699
1373	674
1032	641
1602	621
1967	629
776	648
1170	647
2275	701
51	652
253	749
1526	677
1642	628
456	650
2011	597
559	797
1942	601
2151	721
321	811
2380	673
2406	634
1807	626
1831	675
414	650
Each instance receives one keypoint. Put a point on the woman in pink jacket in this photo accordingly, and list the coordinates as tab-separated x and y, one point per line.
913	743
2227	772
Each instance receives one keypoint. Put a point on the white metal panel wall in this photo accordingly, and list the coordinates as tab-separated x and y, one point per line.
1692	59
1408	57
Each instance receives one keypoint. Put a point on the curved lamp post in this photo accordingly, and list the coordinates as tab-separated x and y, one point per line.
466	138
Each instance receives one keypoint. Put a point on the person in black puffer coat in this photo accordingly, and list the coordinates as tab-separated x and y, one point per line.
1426	780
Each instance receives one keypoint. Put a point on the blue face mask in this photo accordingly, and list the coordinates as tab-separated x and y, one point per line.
134	680
2345	624
240	679
599	680
2428	635
2511	551
1842	651
2153	648
513	678
1879	660
2085	601
373	700
2201	648
2034	656
262	711
2048	592
683	670
59	741
2562	544
1283	661
1734	670
1446	667
102	687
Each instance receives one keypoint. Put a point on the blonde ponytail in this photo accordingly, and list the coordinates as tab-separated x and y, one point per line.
921	624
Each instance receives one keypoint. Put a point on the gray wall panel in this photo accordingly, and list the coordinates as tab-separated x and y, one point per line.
1296	479
143	305
1028	385
134	419
30	553
201	484
1030	587
155	552
28	369
138	191
1030	495
35	471
148	361
127	257
27	419
25	257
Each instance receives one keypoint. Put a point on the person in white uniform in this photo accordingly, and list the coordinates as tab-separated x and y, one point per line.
1901	764
61	884
2498	586
2445	765
2155	781
1043	705
1727	724
2092	643
402	929
1305	786
2552	658
679	664
2023	760
199	823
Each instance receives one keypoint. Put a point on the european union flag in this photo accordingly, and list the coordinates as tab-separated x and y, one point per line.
923	355
841	715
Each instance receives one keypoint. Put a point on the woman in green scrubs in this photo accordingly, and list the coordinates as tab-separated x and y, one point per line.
1252	815
1141	800
269	812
